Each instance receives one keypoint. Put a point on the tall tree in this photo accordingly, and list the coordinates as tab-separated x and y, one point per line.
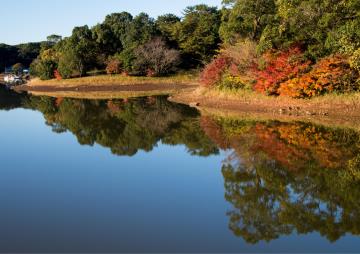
245	19
198	33
78	52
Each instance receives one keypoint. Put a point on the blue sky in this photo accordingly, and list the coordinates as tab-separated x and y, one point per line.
36	19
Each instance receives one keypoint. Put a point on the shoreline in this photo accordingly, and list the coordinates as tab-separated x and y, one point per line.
330	110
338	109
105	91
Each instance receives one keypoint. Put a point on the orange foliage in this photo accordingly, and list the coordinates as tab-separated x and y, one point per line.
214	132
57	75
58	101
279	67
326	76
291	145
113	66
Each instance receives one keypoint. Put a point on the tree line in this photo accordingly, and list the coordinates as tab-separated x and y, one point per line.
22	53
276	47
138	45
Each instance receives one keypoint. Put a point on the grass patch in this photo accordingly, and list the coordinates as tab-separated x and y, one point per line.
190	78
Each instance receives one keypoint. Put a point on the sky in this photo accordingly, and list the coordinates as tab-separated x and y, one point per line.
33	20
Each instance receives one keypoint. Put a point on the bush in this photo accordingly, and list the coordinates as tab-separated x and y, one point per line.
232	67
113	66
65	67
213	72
278	67
44	69
330	74
17	68
229	81
355	60
57	75
127	58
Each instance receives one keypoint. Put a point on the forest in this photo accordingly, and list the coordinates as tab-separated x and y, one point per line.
22	54
276	47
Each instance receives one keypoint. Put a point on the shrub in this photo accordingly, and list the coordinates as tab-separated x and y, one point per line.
232	67
229	81
57	75
113	66
44	69
65	67
330	74
17	68
355	60
279	67
127	58
213	72
243	56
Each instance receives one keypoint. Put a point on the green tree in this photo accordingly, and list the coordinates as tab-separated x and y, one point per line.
141	30
54	38
78	52
166	26
322	27
198	33
110	34
245	19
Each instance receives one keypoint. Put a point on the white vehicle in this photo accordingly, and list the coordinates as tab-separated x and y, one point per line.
12	79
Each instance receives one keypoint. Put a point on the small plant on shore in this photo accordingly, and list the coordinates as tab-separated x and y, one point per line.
57	75
113	66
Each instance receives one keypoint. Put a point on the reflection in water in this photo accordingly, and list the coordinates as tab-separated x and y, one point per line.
126	126
280	177
286	177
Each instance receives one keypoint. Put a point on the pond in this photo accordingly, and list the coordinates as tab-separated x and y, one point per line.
148	175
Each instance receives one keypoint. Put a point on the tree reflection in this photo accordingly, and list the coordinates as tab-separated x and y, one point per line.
289	177
126	126
9	99
280	177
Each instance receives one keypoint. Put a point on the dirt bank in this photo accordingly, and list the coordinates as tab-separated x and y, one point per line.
332	109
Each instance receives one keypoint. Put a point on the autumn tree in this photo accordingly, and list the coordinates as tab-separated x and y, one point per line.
155	56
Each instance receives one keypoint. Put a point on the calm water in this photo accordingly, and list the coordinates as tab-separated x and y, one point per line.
146	175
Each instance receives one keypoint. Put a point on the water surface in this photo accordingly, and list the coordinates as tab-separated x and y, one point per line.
147	175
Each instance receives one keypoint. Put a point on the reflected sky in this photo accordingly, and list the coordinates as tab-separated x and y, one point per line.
57	195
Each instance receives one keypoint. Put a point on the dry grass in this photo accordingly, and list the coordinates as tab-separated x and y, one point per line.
185	78
98	95
334	109
350	102
330	110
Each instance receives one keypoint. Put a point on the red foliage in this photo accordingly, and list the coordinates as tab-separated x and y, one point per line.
58	101
150	73
114	106
280	66
214	132
213	72
57	75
